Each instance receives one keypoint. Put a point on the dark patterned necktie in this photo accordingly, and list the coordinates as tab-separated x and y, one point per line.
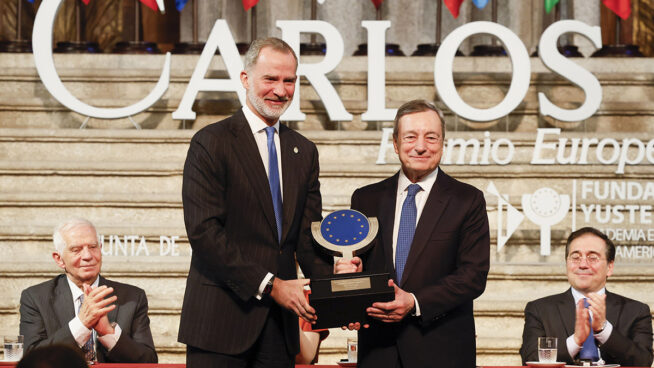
273	180
88	348
406	231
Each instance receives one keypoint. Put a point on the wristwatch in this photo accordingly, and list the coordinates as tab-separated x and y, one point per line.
601	329
268	288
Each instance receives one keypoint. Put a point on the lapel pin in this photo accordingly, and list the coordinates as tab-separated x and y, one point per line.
296	150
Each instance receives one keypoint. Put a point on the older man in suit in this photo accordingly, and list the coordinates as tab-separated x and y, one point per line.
434	242
250	193
620	327
107	320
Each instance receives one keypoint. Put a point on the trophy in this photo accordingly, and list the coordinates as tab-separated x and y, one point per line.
343	298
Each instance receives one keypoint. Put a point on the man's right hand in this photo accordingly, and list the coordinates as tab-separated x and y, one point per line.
290	295
582	324
348	265
97	303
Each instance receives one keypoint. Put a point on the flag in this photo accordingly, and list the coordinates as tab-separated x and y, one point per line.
549	5
179	4
453	6
480	3
620	7
31	1
152	4
377	3
86	2
248	4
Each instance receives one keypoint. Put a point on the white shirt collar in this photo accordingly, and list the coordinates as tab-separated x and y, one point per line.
578	295
425	183
255	122
76	290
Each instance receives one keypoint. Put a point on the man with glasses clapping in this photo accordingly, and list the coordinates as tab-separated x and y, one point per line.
590	322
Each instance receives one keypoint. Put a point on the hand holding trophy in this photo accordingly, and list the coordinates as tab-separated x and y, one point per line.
344	298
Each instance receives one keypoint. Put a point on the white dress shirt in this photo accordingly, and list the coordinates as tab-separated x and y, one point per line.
80	333
573	348
403	183
258	128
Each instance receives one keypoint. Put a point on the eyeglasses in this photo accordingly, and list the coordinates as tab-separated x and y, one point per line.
591	259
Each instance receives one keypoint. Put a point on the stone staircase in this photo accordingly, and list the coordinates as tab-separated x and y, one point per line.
128	183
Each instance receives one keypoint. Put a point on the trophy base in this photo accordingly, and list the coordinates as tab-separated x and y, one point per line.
343	298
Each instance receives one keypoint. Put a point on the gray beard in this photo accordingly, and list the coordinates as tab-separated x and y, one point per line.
263	109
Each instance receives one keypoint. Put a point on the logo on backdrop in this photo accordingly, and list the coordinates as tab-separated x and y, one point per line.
619	208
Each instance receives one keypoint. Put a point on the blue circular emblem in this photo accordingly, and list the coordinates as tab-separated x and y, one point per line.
344	227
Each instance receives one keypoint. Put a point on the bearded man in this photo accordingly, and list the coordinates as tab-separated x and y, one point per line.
250	193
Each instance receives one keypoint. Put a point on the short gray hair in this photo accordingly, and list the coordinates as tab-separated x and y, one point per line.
414	106
66	226
252	55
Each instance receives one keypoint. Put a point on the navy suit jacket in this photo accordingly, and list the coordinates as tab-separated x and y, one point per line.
446	269
630	343
46	309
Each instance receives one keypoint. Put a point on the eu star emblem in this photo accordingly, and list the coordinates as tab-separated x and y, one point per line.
344	227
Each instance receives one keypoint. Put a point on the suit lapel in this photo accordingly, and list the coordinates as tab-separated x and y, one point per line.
429	218
288	156
386	223
113	315
63	301
613	308
567	311
247	153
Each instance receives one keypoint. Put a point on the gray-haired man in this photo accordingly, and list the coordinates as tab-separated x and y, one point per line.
107	320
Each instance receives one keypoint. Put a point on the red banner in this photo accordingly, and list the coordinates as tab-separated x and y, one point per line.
377	3
248	4
152	4
453	6
620	7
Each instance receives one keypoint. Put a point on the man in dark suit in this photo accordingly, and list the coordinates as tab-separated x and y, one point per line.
434	242
250	193
621	327
107	320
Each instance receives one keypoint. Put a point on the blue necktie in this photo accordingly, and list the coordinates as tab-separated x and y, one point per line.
88	347
589	349
406	231
273	179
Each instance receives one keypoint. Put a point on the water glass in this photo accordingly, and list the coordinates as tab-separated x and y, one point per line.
547	349
352	349
13	348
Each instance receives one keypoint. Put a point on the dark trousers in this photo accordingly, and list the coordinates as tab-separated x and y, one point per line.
268	351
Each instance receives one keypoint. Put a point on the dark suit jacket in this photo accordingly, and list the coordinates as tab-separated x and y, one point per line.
231	226
46	309
446	269
630	343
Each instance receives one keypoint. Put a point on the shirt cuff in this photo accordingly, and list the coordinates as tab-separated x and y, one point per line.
415	300
263	284
110	340
605	334
80	333
573	348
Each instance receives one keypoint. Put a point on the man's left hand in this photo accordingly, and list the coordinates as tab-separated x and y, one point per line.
598	307
395	310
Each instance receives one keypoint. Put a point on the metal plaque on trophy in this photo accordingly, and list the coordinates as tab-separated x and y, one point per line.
343	298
